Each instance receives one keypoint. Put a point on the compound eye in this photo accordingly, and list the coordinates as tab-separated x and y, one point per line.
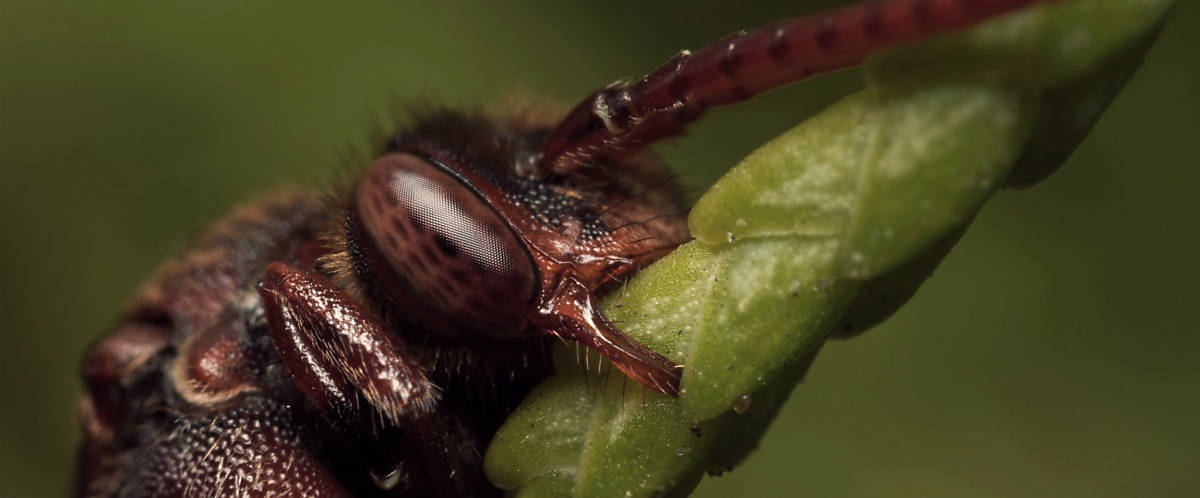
447	244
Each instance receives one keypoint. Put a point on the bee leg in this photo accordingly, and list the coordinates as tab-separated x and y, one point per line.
357	374
113	366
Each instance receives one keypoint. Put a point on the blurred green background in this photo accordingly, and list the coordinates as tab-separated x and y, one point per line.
1053	354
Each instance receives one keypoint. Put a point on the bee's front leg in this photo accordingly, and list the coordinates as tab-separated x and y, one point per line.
359	375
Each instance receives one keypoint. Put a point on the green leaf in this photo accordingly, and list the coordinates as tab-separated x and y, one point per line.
825	230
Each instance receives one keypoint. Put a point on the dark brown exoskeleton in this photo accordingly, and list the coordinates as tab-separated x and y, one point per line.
370	345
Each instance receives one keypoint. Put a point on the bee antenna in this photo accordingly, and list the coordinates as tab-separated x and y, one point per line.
622	118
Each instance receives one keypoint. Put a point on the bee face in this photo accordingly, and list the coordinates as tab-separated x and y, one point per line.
455	222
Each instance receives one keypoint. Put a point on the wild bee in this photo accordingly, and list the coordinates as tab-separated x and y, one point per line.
370	342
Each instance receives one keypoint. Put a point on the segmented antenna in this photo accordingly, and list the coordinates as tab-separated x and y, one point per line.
621	118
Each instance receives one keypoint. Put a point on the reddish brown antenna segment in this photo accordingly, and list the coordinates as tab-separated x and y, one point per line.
620	119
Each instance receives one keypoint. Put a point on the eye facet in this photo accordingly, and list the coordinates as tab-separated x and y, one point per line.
446	244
